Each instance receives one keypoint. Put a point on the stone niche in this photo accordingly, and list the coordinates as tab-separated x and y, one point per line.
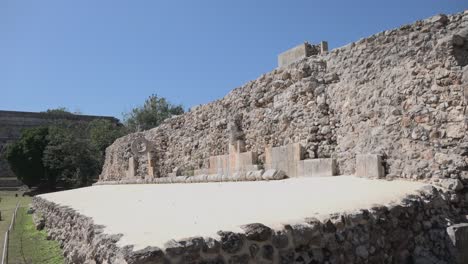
300	52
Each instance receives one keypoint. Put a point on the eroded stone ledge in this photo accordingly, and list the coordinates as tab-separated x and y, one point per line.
258	175
412	230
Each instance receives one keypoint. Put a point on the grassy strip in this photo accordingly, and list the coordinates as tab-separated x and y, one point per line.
27	245
8	202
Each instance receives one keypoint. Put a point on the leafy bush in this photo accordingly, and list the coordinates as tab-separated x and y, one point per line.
151	114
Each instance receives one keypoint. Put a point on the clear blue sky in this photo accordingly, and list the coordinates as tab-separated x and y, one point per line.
105	57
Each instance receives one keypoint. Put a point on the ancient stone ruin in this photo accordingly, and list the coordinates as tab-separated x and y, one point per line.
301	52
392	106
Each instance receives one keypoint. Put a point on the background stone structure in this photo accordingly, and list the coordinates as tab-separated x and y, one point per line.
401	94
13	122
300	52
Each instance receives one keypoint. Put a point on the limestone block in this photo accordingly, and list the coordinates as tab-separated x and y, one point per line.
281	99
200	172
369	166
235	176
251	176
272	174
131	168
150	166
299	52
196	179
458	235
180	179
246	160
163	180
323	47
253	167
316	168
284	158
219	164
212	178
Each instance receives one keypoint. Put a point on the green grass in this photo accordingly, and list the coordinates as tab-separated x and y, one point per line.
27	245
7	206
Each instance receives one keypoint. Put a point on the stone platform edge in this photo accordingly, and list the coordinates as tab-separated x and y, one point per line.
415	228
258	175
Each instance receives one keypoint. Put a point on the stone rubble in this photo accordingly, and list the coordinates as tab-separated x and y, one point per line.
258	175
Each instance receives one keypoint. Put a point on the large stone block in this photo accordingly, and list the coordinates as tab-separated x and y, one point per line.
316	168
323	46
236	161
299	52
284	158
131	168
219	164
458	234
369	166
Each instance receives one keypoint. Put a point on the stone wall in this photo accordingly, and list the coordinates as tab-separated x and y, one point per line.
418	229
13	122
300	52
401	94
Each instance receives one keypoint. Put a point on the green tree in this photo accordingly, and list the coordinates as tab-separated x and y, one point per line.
69	157
151	114
103	133
65	154
58	112
25	156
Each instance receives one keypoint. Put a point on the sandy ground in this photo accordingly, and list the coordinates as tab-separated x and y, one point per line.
150	215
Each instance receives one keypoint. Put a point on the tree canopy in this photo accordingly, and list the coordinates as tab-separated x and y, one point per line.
66	154
25	156
70	154
154	111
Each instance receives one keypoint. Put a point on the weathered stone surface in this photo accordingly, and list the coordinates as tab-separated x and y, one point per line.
268	252
458	235
39	222
378	235
316	168
211	246
231	242
273	174
257	232
303	234
369	166
451	184
239	259
399	93
146	255
280	239
299	52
